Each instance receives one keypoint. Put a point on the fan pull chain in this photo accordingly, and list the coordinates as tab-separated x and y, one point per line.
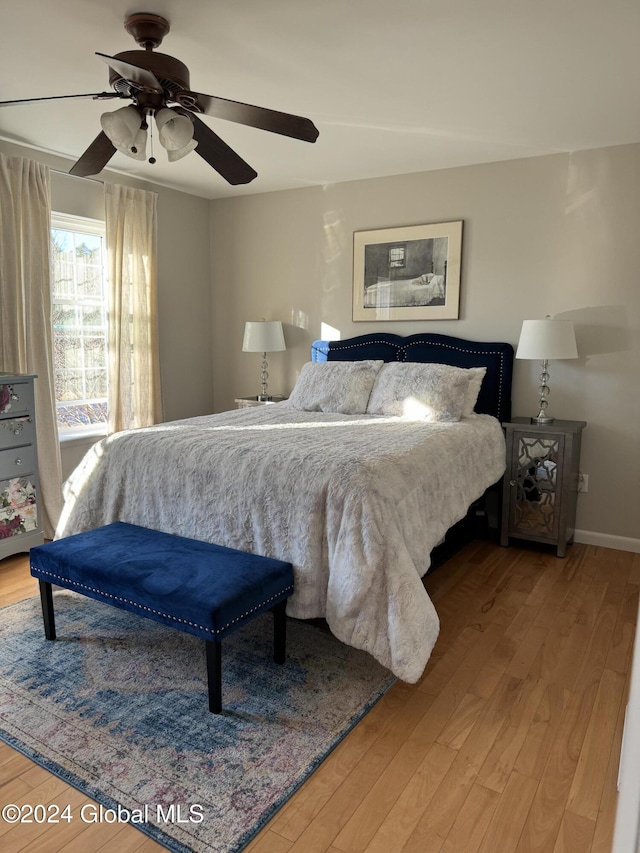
152	159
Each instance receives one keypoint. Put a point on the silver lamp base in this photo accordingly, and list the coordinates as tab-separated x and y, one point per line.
263	396
543	391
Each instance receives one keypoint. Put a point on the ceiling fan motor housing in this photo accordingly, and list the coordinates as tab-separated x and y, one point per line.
172	74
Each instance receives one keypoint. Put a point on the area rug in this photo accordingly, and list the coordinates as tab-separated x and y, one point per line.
117	706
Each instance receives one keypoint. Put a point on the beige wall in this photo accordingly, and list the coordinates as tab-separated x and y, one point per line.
184	284
555	235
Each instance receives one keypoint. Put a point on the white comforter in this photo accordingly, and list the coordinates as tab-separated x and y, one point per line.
355	502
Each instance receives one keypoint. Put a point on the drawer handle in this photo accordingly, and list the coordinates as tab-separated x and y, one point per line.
18	461
513	482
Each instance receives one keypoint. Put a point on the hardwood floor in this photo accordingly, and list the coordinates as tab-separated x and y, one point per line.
509	743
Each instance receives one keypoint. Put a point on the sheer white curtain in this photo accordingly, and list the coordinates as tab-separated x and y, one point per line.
134	374
25	309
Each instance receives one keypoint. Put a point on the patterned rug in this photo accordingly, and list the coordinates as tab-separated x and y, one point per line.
117	706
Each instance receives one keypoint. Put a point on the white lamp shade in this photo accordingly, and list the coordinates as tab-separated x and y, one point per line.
123	129
264	336
547	339
175	131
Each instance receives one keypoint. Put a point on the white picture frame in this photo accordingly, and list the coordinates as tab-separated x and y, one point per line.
407	273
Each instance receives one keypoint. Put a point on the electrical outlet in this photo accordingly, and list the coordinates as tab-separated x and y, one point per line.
583	482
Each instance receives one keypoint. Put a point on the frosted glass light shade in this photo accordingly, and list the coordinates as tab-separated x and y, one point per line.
123	127
178	154
175	131
140	144
547	339
264	336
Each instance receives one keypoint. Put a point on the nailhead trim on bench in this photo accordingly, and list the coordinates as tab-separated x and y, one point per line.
73	584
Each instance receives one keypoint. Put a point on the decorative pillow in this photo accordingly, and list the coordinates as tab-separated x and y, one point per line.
335	386
476	375
430	392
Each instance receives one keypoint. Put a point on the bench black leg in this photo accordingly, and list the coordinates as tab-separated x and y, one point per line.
279	631
46	599
214	675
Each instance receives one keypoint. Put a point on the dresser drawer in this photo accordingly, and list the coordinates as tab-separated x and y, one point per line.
17	462
18	512
16	431
16	398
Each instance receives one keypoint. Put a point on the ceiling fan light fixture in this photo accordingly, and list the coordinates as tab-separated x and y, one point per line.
175	131
138	150
178	154
152	80
123	127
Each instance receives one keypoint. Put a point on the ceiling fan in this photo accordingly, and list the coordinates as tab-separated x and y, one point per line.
158	85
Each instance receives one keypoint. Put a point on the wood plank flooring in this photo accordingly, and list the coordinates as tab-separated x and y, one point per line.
508	744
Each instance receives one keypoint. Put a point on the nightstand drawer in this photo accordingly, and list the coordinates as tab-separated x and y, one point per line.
16	431
16	398
17	462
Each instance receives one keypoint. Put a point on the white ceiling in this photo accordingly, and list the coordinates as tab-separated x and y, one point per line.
393	87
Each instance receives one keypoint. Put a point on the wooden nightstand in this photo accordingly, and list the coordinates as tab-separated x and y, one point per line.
248	402
541	481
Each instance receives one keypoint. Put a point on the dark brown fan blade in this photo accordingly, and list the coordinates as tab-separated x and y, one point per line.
99	96
296	127
95	158
139	77
218	154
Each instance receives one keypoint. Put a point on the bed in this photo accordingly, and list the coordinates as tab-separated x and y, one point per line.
428	289
355	499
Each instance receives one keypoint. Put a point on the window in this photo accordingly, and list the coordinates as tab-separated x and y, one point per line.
397	256
79	307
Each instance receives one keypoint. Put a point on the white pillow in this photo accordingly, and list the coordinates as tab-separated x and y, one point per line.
429	392
476	375
335	386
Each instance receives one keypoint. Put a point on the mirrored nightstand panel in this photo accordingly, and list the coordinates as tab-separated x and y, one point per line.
541	482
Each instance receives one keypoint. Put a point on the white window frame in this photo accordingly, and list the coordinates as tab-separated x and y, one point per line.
95	227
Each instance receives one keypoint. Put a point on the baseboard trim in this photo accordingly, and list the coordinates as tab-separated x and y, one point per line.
605	540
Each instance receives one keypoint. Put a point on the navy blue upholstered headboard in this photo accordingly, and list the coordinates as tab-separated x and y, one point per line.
495	394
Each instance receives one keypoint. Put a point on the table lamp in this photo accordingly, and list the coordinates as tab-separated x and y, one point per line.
263	336
545	340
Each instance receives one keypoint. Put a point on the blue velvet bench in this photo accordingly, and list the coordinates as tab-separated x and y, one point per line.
203	589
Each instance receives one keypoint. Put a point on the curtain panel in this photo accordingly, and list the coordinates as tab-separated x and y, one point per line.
134	373
26	332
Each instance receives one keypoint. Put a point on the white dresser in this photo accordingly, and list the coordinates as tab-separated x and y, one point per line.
20	517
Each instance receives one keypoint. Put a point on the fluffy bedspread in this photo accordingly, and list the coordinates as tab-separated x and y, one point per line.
355	502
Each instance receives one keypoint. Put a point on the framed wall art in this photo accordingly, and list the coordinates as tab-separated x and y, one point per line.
410	273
